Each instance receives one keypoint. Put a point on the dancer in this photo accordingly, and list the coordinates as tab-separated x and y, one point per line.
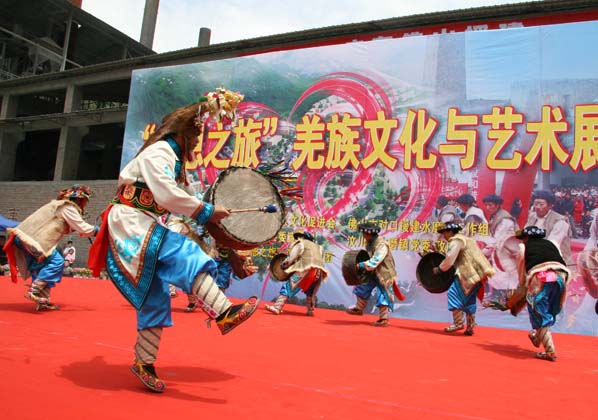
142	256
472	269
542	269
306	266
32	244
382	266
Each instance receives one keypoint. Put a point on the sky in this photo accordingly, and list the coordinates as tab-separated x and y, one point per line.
179	21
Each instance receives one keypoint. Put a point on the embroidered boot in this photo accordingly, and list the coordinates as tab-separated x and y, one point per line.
358	308
457	322
470	324
217	306
279	303
545	337
146	351
383	320
236	315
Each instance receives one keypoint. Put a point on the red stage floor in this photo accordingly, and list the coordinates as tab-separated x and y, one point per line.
74	364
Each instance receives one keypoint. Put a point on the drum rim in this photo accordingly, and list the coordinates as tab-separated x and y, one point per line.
345	269
449	274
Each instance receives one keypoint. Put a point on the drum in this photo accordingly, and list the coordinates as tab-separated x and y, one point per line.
434	283
350	274
587	266
276	271
505	257
241	188
518	300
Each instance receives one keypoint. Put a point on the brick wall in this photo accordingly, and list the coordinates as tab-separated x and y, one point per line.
20	199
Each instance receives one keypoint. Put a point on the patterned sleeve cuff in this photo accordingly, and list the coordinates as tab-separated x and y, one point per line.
203	213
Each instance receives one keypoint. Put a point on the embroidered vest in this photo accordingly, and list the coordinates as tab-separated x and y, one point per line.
472	266
311	257
386	271
43	230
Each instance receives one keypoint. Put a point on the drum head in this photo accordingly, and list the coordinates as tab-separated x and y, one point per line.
350	259
434	283
241	188
276	271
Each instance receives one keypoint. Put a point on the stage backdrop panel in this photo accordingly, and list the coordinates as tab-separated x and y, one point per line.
378	129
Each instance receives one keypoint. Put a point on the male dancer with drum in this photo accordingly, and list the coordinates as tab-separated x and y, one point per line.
382	265
543	271
32	244
306	266
472	268
142	256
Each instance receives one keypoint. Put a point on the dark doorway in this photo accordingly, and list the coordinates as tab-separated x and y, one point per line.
36	156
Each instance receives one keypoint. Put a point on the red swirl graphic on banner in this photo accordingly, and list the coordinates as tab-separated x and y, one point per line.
366	97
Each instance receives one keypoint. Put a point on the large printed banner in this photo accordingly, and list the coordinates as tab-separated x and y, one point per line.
382	129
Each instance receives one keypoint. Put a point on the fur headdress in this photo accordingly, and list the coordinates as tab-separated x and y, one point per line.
220	105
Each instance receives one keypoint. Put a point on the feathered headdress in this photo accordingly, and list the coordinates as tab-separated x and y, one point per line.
220	105
76	191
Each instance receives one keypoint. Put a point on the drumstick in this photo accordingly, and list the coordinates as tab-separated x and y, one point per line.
270	208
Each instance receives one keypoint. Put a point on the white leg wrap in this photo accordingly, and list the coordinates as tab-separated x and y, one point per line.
361	302
280	302
458	318
38	286
148	343
545	337
209	297
384	311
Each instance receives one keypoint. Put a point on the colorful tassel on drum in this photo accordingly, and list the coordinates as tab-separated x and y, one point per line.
294	193
283	178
